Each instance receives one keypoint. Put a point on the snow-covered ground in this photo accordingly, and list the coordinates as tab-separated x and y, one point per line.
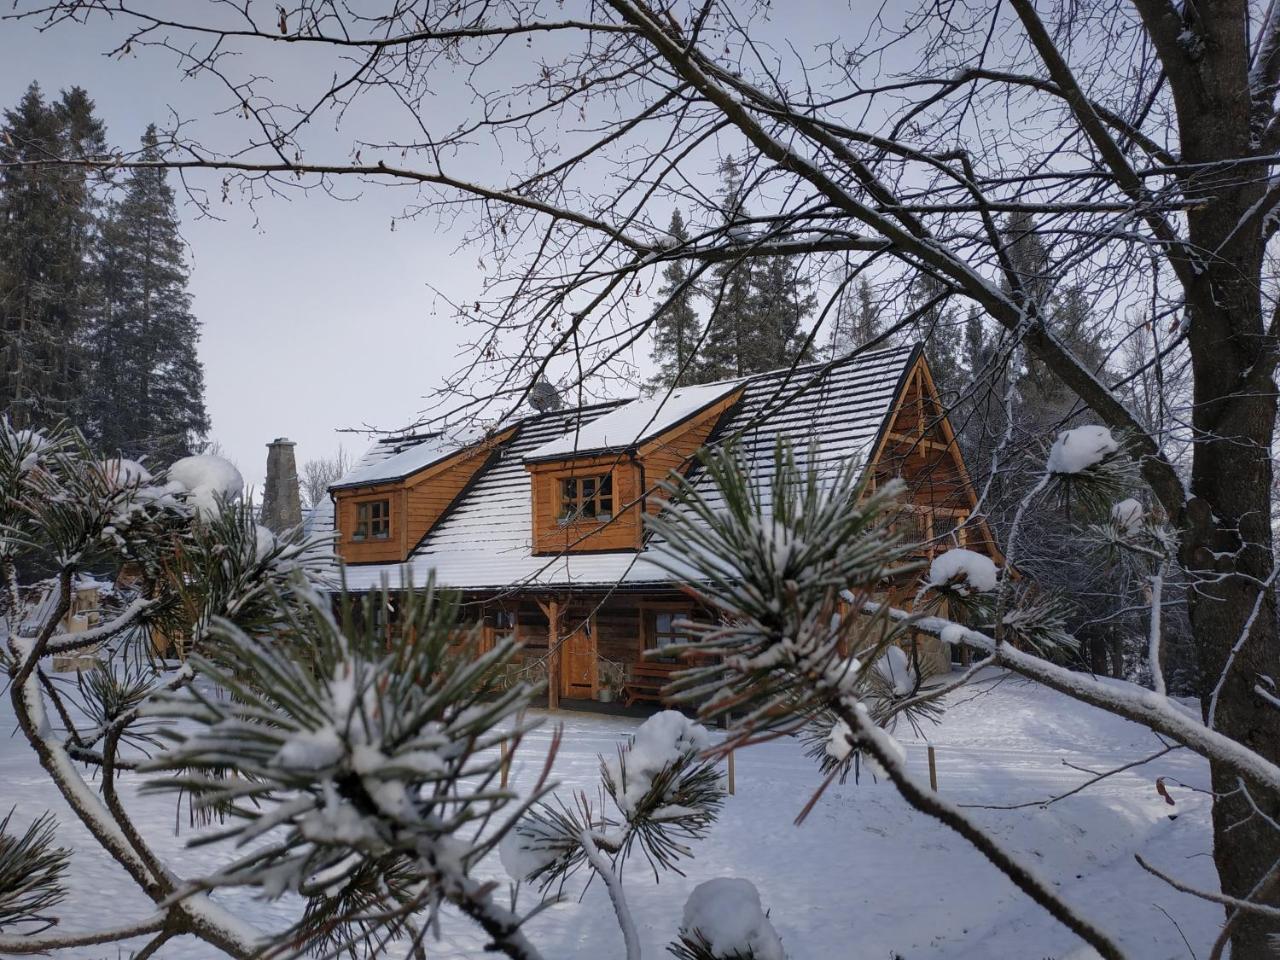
863	877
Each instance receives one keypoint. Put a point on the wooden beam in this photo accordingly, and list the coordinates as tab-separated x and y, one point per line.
921	442
553	655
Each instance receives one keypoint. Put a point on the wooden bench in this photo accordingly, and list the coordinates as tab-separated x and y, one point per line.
646	680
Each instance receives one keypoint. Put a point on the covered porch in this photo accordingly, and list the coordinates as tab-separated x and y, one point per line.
602	647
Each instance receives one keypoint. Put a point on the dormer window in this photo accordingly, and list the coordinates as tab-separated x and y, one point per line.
373	520
586	498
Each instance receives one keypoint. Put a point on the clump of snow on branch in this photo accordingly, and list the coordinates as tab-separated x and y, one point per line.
1076	450
1128	515
122	472
723	918
527	852
840	746
207	480
964	572
839	743
23	446
662	741
894	668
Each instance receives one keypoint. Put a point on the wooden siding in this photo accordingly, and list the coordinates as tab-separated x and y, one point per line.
920	447
417	503
621	625
429	494
675	450
635	477
391	550
621	532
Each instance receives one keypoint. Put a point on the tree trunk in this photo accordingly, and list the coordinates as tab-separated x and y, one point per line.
1231	481
1226	524
1227	546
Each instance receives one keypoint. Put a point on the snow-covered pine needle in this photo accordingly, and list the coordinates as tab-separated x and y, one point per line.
376	762
31	875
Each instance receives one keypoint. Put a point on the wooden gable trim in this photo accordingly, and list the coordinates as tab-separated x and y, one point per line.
675	450
917	372
711	412
899	397
494	446
641	444
486	446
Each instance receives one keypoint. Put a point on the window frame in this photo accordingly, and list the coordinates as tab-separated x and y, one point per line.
571	504
650	634
367	523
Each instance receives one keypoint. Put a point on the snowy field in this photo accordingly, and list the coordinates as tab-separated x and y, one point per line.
864	878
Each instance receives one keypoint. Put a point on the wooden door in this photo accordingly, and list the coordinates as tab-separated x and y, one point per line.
578	674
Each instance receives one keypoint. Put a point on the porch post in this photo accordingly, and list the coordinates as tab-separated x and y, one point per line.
553	658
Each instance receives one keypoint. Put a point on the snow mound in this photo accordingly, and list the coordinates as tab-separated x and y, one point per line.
964	571
207	480
662	740
1128	514
1077	450
727	913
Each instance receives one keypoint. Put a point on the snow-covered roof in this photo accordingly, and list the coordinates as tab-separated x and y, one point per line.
484	542
635	422
399	457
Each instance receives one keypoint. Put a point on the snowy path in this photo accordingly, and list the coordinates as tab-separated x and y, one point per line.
864	877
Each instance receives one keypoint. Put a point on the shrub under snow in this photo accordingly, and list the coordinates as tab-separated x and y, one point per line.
1077	450
963	571
726	914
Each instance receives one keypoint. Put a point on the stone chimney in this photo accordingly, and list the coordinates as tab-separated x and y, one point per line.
281	508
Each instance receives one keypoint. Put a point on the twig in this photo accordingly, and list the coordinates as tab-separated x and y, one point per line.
1248	906
1088	783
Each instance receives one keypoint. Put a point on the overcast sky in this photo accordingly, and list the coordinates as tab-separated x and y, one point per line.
316	315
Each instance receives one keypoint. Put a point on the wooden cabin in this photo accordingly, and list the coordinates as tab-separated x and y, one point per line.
540	525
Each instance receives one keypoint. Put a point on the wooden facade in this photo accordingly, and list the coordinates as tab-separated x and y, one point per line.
415	503
635	474
583	634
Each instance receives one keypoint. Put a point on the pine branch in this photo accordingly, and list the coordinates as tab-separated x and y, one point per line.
31	874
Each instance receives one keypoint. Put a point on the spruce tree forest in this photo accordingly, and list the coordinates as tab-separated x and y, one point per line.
96	324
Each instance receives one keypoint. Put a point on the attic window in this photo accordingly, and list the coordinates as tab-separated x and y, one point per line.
373	520
586	498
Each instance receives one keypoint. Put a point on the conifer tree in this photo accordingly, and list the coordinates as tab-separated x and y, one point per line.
675	334
857	320
730	326
47	237
780	303
759	304
147	391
